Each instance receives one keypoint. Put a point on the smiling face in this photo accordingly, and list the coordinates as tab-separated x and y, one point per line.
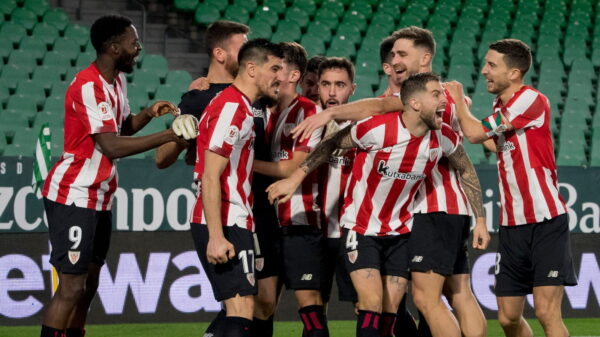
406	60
496	72
335	87
431	104
269	76
128	48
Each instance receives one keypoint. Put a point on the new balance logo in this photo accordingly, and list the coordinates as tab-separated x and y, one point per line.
306	277
553	274
417	258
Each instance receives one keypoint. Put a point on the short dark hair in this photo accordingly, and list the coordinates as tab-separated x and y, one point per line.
295	55
420	37
220	31
258	50
416	83
385	49
516	54
337	63
314	63
106	29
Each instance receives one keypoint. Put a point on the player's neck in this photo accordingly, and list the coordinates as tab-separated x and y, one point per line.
218	74
284	99
392	88
247	87
508	93
106	67
414	123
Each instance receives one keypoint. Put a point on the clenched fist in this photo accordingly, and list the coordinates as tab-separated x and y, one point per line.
185	126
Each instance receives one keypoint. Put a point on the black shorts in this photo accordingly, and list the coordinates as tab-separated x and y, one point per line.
438	242
302	254
534	255
236	277
267	235
388	254
334	265
79	236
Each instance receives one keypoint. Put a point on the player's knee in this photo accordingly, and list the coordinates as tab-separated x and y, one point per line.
71	291
507	319
422	300
371	302
546	314
264	306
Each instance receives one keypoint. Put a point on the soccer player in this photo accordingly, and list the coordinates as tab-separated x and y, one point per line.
395	153
336	85
222	221
301	239
223	42
79	190
309	82
534	253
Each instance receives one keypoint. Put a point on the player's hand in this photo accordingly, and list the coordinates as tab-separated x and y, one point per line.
160	108
185	126
456	90
282	190
481	236
201	83
219	250
305	129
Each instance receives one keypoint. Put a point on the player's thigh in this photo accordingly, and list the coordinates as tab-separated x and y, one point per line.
394	289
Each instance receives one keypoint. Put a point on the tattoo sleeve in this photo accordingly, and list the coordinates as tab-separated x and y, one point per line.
341	140
468	179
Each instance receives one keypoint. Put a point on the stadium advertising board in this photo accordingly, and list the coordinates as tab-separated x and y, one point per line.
149	199
157	277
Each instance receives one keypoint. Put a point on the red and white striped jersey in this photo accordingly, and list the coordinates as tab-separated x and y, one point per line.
441	191
389	167
84	176
302	208
227	129
525	159
333	180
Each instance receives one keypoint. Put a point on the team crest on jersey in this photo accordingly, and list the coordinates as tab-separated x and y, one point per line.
287	129
352	256
259	263
74	256
250	277
105	110
232	135
434	153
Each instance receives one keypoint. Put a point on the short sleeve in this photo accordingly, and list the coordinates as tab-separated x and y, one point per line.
528	110
91	105
308	144
449	140
226	125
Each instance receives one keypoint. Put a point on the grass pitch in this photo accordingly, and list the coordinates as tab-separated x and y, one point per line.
576	326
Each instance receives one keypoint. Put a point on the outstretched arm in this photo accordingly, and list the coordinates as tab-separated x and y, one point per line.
470	183
135	123
470	125
286	187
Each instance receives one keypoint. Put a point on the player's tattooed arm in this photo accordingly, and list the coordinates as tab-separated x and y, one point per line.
470	183
282	190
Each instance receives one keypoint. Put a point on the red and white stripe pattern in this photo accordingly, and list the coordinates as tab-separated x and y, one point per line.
389	167
333	180
526	165
227	129
441	191
84	176
302	208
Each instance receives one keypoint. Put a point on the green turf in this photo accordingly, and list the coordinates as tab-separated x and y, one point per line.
577	327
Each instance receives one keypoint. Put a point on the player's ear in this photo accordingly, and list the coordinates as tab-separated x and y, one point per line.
219	54
294	75
426	59
250	68
515	74
387	69
353	88
414	104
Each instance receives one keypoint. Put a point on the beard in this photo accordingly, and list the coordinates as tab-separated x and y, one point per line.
231	66
125	63
429	120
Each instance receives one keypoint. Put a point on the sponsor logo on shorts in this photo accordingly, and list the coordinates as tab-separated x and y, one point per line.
553	274
352	256
417	258
306	277
250	277
259	263
385	170
74	256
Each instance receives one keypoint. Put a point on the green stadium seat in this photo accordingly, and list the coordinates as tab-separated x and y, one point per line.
169	93
24	17
370	80
219	4
206	14
277	6
349	31
179	79
3	143
84	60
343	45
12	32
334	6
313	44
318	28
260	29
355	18
476	153
185	5
287	31
90	48
6	47
11	74
237	14
33	46
13	122
157	64
410	20
308	6
54	118
57	18
4	95
55	104
27	104
327	17
249	5
33	89
362	7
571	150
298	15
462	74
23	59
39	7
266	15
78	33
68	48
56	59
7	6
362	91
148	79
46	33
23	143
59	89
